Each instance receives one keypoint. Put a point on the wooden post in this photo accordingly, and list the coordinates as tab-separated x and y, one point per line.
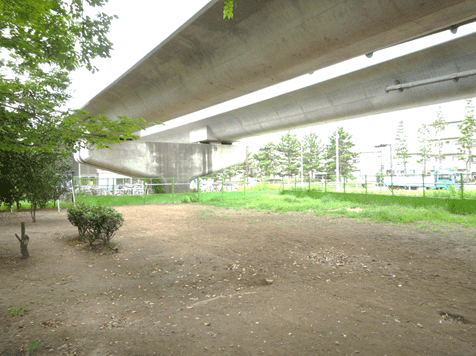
23	242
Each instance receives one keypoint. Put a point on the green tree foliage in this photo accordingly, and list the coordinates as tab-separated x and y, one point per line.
467	141
265	160
228	9
37	177
289	155
439	125
41	43
312	153
346	157
425	148
401	146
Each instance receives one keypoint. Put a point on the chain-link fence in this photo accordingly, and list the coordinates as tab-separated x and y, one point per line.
169	190
137	191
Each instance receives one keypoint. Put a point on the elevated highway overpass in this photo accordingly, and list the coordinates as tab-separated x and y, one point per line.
209	60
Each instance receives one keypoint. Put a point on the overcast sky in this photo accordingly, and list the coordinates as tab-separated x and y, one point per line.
143	24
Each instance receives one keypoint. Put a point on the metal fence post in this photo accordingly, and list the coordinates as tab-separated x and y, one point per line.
462	186
325	184
423	180
391	178
143	181
309	182
345	182
295	188
173	190
366	184
244	186
198	188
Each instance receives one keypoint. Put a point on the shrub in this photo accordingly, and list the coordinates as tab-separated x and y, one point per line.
158	189
95	222
76	216
103	222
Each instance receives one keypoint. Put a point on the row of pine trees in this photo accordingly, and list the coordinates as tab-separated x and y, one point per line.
284	158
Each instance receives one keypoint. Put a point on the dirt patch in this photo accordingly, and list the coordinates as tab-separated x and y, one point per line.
193	280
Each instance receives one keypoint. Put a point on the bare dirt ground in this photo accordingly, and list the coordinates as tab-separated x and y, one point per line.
196	280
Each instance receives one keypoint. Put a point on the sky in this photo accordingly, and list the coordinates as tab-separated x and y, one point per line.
141	27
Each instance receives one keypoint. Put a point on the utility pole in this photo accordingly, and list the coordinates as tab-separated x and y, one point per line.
337	161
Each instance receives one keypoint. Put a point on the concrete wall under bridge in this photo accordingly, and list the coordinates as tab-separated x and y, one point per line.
163	160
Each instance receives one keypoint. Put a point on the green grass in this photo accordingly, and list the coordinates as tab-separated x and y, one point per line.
273	201
15	312
328	206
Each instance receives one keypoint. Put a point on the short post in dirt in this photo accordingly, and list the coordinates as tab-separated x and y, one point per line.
423	183
173	190
462	185
198	188
366	184
24	239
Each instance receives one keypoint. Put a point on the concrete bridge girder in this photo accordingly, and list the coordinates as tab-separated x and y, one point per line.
357	94
209	60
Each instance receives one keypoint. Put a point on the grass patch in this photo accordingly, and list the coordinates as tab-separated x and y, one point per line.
327	205
15	312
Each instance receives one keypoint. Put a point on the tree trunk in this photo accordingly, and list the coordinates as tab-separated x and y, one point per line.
33	212
23	242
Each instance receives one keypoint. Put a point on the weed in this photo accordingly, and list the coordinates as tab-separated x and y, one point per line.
34	345
15	312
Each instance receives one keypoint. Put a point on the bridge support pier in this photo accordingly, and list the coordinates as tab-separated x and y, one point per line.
163	160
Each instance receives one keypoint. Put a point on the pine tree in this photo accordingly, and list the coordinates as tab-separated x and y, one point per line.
289	155
467	141
425	148
401	146
345	155
312	153
439	126
265	161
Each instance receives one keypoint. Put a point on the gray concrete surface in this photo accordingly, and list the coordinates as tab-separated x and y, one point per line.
163	160
360	93
210	60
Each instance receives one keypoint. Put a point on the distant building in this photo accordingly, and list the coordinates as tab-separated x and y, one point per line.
379	161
